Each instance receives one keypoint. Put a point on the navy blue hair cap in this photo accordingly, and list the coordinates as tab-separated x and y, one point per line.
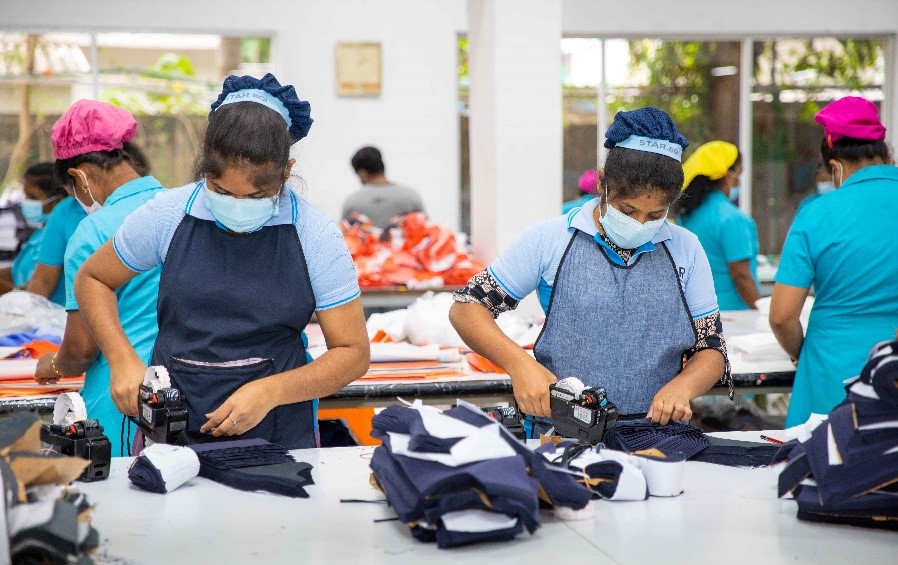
270	93
646	122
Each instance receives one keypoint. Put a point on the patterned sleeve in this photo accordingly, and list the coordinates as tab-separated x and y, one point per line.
709	334
484	290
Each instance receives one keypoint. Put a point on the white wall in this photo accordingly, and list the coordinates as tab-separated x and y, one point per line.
414	121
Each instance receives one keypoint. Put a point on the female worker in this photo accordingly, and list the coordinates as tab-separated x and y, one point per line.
627	296
844	245
42	195
729	236
589	187
245	264
95	162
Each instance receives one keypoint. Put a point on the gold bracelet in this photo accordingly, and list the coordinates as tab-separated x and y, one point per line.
55	369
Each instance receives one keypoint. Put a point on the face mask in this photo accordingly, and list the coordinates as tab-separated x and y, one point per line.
33	210
94	204
825	187
627	232
734	194
242	215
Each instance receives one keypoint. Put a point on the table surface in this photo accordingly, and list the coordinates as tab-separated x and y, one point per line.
725	514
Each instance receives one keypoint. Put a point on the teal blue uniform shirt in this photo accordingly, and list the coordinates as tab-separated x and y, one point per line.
61	224
136	299
843	244
728	235
578	203
23	265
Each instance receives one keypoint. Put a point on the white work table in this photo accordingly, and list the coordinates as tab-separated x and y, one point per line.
725	515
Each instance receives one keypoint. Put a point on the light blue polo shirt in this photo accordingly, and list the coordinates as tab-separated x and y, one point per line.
142	242
26	260
61	224
727	235
844	245
531	262
136	298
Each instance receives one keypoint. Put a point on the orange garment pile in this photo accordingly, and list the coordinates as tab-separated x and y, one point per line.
17	375
416	253
409	370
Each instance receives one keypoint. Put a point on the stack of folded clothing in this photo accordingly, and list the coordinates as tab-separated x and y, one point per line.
637	435
847	471
47	522
253	465
458	477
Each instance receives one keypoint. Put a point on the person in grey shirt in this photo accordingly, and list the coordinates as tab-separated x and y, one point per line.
378	199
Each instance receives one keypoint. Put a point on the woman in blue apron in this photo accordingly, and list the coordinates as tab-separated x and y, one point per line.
245	264
842	244
629	298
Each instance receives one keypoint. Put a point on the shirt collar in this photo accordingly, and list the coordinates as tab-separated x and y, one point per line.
131	188
888	172
582	219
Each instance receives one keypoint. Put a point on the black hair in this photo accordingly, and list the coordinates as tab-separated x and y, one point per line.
698	190
43	175
630	173
246	134
106	160
853	150
368	159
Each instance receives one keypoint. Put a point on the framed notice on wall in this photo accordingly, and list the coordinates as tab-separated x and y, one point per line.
358	69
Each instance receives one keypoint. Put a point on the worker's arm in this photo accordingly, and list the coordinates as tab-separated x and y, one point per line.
701	373
745	283
6	284
95	286
347	358
529	380
44	280
77	352
785	313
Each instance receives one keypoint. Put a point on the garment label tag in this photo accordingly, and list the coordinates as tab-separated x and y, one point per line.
176	464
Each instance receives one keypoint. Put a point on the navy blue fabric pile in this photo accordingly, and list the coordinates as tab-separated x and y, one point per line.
253	465
853	456
637	435
479	485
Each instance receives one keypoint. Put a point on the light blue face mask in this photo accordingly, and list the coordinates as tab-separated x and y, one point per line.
734	194
242	215
33	210
627	232
825	187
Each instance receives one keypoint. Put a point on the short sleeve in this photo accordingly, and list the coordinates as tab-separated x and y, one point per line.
519	268
331	270
738	236
796	266
141	243
698	283
60	226
85	241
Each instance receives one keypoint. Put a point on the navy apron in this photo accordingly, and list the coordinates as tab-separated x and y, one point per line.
624	328
241	300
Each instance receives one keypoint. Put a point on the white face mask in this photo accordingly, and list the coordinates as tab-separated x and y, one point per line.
841	173
95	205
625	231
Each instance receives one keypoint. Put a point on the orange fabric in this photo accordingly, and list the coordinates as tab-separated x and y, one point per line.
358	420
36	349
483	365
417	252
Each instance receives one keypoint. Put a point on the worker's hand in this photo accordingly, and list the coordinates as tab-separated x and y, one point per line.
44	374
124	385
530	384
241	412
671	404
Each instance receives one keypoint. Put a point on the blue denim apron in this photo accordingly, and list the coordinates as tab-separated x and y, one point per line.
240	299
624	328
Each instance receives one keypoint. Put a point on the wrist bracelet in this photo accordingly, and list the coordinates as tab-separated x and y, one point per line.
55	369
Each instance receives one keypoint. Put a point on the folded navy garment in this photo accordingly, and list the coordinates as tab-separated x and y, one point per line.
638	435
852	456
758	455
146	476
254	465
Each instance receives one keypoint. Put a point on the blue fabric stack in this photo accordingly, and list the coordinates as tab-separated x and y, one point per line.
458	477
847	471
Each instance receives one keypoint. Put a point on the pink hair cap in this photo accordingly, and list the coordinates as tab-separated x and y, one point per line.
90	126
589	181
853	117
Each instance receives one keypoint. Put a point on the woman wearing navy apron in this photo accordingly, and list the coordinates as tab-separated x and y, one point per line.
245	264
629	298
